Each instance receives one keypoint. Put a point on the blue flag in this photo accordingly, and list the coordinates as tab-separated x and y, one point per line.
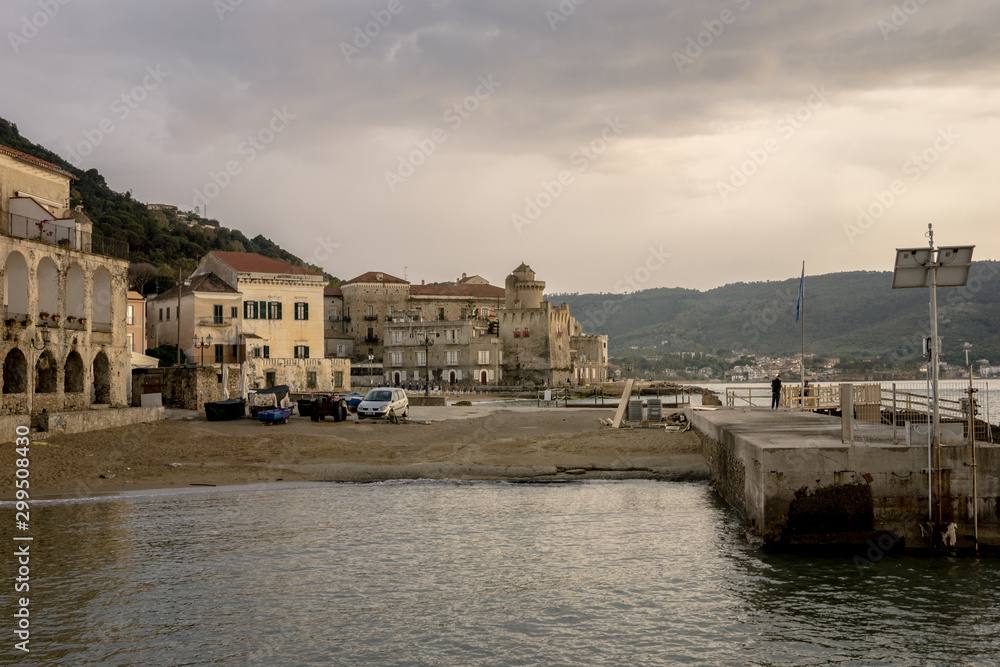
798	304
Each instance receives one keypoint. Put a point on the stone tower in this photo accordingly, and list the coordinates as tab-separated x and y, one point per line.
522	290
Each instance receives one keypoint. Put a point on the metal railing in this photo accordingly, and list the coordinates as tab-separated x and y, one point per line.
215	321
65	236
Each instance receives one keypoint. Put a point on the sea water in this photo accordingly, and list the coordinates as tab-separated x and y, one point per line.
448	573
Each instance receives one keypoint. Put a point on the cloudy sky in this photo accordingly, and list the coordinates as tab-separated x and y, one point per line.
612	145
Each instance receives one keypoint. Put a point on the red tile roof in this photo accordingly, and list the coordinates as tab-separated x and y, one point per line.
373	277
474	291
31	159
251	262
332	291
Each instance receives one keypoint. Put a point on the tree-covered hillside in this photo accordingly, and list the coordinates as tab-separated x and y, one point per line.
847	314
157	238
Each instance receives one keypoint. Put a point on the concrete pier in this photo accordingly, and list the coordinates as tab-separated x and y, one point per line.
796	484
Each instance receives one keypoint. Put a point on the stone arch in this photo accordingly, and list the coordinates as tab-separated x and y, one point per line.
15	373
16	284
46	374
102	296
74	291
102	379
48	286
74	373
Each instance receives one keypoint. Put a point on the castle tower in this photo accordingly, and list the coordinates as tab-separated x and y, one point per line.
522	288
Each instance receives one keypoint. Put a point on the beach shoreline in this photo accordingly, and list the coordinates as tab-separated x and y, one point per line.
459	442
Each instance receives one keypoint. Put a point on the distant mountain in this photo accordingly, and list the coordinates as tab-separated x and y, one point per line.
154	237
854	314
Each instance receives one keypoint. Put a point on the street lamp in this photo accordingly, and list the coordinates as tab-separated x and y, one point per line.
428	342
45	337
205	342
371	370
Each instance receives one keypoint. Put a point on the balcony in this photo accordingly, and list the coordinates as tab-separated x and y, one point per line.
64	236
372	339
334	318
215	321
371	318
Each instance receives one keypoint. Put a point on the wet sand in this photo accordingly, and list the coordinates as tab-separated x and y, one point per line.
477	442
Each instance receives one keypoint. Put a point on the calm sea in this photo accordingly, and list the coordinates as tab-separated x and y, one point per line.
438	573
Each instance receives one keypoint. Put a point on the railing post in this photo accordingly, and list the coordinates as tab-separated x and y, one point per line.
847	413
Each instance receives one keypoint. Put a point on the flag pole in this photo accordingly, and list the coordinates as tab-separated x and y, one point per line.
802	359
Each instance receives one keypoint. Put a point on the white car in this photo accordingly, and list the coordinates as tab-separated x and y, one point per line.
377	403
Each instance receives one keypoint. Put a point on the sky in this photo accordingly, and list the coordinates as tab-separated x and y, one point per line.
612	146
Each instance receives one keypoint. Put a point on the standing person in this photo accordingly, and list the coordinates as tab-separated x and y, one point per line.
775	391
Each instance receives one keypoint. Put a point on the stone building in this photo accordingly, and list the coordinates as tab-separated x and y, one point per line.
208	312
542	343
370	300
338	343
64	346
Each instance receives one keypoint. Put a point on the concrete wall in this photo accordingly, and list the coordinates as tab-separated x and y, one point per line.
808	489
78	422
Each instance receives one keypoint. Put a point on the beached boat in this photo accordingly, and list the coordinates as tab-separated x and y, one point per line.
231	408
274	415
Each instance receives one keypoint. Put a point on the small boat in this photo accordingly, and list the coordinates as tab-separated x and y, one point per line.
274	415
231	408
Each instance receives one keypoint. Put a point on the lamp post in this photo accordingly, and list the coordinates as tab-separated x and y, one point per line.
428	343
45	337
371	370
205	342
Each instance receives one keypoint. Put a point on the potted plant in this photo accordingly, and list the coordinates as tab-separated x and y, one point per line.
43	315
11	321
27	321
71	319
83	321
56	318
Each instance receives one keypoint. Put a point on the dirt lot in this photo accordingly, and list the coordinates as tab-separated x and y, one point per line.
459	443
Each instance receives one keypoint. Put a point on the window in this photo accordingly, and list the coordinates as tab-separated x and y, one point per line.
396	337
217	313
340	351
161	314
236	352
338	378
301	310
249	310
371	311
525	332
301	352
333	312
396	358
131	340
130	315
484	356
310	379
219	352
269	378
440	313
256	352
421	358
274	310
234	312
451	357
168	313
267	351
517	333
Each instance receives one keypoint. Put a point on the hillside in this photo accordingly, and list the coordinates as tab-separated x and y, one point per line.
847	314
154	237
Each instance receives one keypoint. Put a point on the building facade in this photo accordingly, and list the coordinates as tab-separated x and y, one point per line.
64	346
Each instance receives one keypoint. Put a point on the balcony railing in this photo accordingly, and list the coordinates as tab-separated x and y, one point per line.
215	321
371	318
66	237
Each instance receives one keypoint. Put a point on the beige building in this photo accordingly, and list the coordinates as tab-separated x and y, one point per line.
64	296
135	322
207	318
282	304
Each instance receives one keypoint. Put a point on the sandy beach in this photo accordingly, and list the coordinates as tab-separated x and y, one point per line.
473	442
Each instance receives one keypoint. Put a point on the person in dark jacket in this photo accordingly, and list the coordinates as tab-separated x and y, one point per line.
775	391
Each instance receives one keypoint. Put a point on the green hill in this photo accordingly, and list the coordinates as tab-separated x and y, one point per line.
855	314
157	238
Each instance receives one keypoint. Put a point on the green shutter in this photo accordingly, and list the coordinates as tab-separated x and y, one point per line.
246	310
278	310
305	351
305	311
267	352
262	310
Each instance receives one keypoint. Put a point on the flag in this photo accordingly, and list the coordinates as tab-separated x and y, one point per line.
798	304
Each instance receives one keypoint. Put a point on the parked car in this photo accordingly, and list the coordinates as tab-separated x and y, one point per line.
378	402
